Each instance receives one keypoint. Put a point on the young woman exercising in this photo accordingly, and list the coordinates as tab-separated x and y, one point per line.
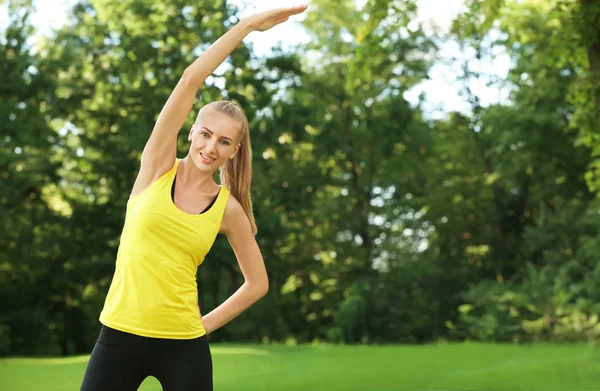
151	325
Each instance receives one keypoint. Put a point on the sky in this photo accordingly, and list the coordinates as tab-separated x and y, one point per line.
441	90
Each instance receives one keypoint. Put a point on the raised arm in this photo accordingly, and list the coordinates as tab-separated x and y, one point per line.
160	150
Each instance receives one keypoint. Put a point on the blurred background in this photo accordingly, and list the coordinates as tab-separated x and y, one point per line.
424	171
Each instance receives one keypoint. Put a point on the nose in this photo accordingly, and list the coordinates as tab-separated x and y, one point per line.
211	146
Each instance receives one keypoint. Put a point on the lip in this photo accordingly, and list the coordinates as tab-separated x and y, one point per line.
205	160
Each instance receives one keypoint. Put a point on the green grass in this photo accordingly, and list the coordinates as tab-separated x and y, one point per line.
447	367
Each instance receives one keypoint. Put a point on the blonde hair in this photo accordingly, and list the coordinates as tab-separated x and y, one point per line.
236	173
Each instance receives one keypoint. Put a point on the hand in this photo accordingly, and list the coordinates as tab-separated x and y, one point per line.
202	321
267	19
208	328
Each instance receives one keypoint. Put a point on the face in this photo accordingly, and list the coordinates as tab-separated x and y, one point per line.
214	139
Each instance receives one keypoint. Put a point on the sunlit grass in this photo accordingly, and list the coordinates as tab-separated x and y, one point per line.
453	367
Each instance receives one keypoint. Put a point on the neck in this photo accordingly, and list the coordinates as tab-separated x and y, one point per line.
191	176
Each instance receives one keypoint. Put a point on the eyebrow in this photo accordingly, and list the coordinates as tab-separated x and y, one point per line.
211	132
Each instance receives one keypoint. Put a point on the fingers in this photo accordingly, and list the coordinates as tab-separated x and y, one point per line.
298	9
288	11
265	20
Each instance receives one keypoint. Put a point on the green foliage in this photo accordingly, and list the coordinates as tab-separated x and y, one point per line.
556	36
376	224
529	257
334	138
28	226
5	347
544	305
398	306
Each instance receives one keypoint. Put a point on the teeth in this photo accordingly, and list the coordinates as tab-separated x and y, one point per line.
207	158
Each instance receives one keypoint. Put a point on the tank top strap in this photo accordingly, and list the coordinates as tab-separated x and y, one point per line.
221	202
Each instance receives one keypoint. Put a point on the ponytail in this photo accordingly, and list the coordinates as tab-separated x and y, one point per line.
236	173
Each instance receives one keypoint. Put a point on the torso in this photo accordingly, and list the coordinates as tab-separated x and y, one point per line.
154	289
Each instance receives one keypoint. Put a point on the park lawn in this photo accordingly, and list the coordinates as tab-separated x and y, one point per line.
447	367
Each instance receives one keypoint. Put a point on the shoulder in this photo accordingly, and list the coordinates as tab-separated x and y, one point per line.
233	206
234	217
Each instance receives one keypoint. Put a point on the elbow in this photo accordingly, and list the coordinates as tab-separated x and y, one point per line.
189	79
259	289
263	288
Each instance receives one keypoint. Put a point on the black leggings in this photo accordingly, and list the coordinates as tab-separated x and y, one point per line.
121	361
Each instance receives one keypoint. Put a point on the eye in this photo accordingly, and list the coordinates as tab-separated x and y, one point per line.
224	142
205	134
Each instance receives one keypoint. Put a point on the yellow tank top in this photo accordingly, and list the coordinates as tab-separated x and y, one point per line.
154	292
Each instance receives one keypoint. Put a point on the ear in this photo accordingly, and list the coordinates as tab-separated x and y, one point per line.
237	148
191	132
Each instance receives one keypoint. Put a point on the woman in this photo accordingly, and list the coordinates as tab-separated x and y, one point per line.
150	322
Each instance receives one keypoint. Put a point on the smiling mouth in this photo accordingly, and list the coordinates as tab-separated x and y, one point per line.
206	159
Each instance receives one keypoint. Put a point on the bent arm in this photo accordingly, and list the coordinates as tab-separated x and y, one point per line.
256	284
160	150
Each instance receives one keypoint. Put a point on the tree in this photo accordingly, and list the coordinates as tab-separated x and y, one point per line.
31	214
344	131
